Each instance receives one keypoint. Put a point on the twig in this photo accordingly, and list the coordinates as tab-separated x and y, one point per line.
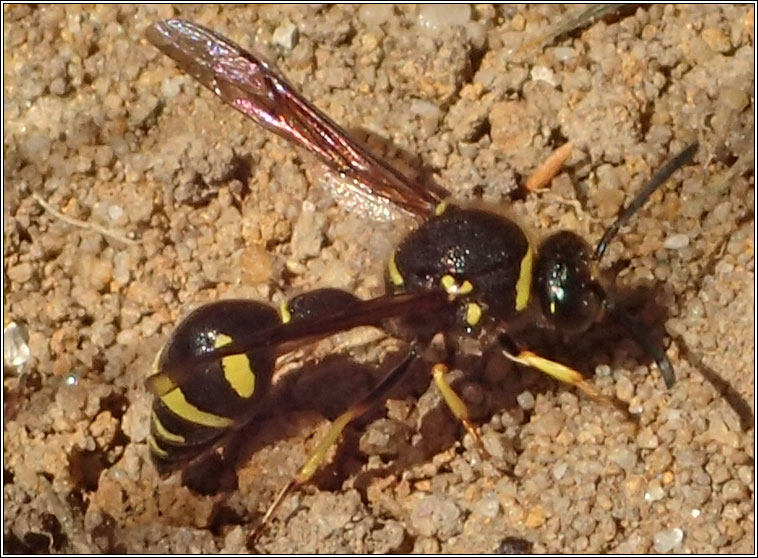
571	24
550	167
83	224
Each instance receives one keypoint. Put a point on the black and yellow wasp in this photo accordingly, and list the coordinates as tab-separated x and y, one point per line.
464	270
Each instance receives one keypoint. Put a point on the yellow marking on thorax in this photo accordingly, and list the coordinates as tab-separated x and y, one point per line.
155	448
473	313
179	405
237	369
524	283
455	289
284	312
164	433
448	284
440	209
395	275
465	288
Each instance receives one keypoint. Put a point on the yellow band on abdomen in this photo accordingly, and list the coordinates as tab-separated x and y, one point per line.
179	405
237	369
165	434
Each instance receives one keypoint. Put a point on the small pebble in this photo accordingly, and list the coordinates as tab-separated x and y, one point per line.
122	267
647	439
563	53
435	17
542	73
716	39
655	492
518	22
487	507
285	35
535	518
375	14
525	400
666	541
624	457
676	242
602	371
736	99
624	389
425	109
433	515
495	444
16	352
116	215
171	87
127	337
549	424
734	490
745	474
307	234
99	274
559	470
20	273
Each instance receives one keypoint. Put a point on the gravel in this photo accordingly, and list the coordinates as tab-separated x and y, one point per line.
172	199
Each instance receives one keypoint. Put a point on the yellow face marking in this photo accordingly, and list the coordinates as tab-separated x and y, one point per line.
237	369
395	275
524	283
163	433
455	289
440	209
473	313
284	312
465	288
448	284
155	448
179	405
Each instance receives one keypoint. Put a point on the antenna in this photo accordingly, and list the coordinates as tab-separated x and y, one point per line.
634	329
642	196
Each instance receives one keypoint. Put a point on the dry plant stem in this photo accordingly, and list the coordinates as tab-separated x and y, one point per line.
83	224
549	168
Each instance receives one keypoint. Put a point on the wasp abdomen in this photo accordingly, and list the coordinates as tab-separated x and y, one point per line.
190	417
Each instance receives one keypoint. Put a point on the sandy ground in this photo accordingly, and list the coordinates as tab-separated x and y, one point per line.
185	201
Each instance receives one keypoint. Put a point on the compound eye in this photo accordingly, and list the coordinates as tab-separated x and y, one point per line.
565	285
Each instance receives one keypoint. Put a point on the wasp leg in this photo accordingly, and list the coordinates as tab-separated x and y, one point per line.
557	370
318	455
455	403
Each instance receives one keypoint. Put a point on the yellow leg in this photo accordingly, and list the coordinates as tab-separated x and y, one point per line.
557	370
317	457
455	403
563	373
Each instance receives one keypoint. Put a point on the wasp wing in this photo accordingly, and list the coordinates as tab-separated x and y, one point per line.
248	83
281	339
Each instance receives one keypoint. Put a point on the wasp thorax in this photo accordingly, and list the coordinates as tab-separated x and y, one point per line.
563	281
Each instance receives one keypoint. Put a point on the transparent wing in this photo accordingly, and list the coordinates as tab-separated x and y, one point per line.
252	86
284	338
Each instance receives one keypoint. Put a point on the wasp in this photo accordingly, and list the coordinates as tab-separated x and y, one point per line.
464	270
